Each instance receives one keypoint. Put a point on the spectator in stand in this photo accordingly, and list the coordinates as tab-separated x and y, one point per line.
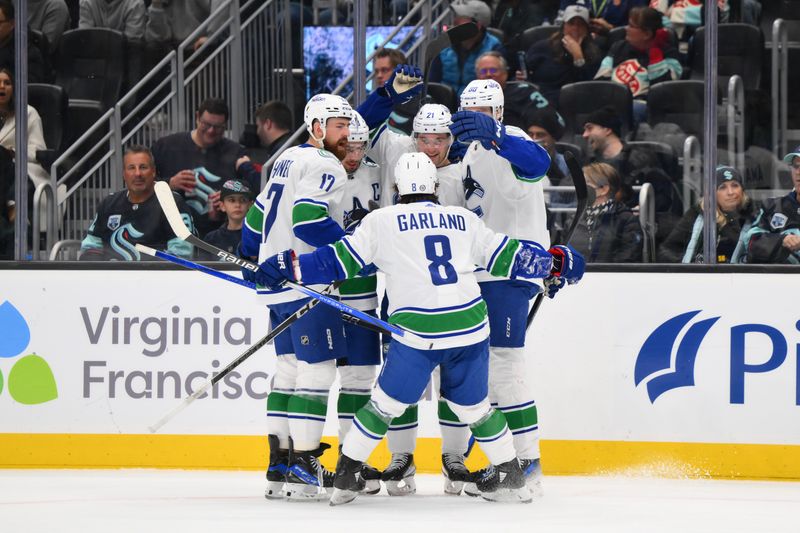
456	66
643	59
170	22
518	96
51	17
570	55
734	217
608	232
274	120
126	16
545	126
236	201
384	63
133	216
515	16
8	128
603	131
196	163
605	15
775	235
36	64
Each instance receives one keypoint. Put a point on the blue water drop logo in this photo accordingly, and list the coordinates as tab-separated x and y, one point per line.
15	332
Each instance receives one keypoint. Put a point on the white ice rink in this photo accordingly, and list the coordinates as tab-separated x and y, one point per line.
151	501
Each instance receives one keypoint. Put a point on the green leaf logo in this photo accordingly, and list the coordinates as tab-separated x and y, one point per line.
1	383
31	381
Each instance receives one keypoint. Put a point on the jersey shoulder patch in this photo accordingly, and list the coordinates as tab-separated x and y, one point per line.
367	162
324	153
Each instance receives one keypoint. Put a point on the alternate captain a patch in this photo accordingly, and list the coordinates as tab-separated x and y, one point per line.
778	221
113	222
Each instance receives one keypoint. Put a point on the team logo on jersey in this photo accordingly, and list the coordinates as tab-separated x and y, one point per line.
778	221
113	222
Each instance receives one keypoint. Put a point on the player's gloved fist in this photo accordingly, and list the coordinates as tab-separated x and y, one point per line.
353	218
404	84
275	270
470	126
567	263
247	274
531	261
552	285
457	152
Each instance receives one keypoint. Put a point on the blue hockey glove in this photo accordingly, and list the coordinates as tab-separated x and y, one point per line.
531	261
247	274
552	285
470	126
567	263
275	270
404	84
353	218
457	152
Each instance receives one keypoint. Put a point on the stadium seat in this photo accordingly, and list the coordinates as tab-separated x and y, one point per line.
740	51
51	102
678	102
91	65
533	35
577	151
578	100
443	94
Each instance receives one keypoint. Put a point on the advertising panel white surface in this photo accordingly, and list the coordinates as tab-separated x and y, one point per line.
631	357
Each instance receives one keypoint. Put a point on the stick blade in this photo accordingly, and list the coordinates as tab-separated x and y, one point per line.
167	202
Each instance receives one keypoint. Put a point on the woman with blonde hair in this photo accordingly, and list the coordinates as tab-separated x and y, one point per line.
608	232
734	217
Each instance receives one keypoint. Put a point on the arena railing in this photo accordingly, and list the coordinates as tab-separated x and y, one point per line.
245	61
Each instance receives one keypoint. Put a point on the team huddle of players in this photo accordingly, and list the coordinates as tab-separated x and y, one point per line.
463	248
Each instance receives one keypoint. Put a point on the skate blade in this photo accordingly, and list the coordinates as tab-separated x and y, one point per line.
453	488
300	492
275	490
471	490
373	486
342	496
521	495
404	487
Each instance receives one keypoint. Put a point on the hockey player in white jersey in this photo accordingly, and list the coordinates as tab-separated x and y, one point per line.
428	253
502	171
302	207
357	371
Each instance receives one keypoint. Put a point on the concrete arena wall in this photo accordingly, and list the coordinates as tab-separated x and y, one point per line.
681	374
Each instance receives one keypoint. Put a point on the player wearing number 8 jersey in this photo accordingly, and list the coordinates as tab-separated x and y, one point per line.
302	207
428	253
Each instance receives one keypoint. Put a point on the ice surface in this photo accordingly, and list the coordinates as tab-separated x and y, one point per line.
153	501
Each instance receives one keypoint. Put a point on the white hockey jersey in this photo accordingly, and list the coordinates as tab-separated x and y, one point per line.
505	202
300	208
451	188
428	253
360	188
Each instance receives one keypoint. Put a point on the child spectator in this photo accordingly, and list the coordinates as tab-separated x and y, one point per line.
236	199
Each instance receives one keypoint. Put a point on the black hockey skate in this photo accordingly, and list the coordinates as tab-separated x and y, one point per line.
532	470
371	475
306	478
455	473
276	472
399	475
503	483
348	481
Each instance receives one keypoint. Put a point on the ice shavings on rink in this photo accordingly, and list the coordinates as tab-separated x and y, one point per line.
153	501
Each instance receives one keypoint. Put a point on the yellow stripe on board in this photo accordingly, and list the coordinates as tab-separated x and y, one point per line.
559	457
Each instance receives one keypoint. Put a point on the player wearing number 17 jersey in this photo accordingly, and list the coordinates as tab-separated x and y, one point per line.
428	253
302	207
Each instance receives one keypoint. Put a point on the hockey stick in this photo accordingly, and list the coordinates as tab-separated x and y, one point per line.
170	209
269	337
446	39
233	279
579	180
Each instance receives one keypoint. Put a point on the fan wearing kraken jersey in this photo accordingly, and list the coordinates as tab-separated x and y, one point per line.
502	171
428	253
133	216
302	207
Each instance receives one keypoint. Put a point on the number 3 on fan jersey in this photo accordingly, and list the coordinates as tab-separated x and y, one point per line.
439	257
274	194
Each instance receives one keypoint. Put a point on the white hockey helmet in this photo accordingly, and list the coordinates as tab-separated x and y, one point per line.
359	131
415	173
432	118
323	107
484	93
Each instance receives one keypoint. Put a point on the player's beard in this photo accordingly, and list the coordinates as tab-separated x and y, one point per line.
339	149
